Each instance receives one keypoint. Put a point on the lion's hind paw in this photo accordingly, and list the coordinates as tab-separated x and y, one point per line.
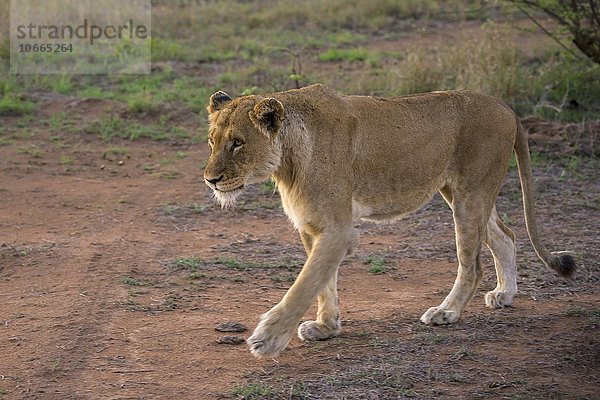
498	299
313	330
439	316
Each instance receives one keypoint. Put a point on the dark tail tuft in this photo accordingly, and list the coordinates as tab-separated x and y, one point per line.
563	264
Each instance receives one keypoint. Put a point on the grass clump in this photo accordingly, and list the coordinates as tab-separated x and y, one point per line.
15	105
351	55
167	50
232	263
115	151
66	160
187	263
142	104
109	127
133	282
194	263
488	64
253	391
198	208
567	89
557	87
32	151
377	265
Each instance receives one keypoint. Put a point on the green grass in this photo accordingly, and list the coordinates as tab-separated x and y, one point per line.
255	47
57	121
340	38
169	175
571	168
187	263
112	151
377	265
142	103
111	126
268	187
14	105
108	127
200	269
91	91
373	59
66	160
133	282
253	391
32	151
198	208
567	89
167	50
58	84
352	55
193	264
232	263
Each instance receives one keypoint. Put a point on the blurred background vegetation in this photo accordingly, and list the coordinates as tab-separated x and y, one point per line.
375	47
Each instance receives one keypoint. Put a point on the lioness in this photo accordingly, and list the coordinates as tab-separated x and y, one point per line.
335	158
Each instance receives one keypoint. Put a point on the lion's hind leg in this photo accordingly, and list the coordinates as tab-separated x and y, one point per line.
471	214
327	324
501	241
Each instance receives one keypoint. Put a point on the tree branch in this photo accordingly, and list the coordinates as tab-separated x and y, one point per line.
546	31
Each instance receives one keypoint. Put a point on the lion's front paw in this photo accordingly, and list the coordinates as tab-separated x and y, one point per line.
270	337
439	316
313	330
499	298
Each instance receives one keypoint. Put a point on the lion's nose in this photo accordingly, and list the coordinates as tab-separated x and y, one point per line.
215	180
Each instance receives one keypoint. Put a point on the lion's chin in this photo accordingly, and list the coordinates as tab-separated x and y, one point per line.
227	199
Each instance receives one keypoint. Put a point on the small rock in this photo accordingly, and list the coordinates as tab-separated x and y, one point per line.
230	340
231	326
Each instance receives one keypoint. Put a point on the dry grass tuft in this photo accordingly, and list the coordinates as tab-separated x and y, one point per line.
488	64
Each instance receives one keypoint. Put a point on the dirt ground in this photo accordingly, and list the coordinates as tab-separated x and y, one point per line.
116	266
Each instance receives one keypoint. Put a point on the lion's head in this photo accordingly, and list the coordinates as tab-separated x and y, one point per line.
243	140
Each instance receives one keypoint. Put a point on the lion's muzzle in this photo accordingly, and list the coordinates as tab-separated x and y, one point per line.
212	182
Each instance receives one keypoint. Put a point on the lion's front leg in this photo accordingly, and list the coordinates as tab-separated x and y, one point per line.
277	326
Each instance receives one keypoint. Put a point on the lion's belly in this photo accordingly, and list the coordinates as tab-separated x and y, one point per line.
388	208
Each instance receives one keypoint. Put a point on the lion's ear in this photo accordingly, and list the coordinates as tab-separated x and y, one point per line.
217	101
267	116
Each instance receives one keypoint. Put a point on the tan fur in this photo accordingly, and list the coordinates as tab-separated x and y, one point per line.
336	157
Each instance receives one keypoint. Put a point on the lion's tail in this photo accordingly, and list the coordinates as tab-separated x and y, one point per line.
561	262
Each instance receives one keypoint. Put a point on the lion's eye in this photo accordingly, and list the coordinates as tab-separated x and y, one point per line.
236	144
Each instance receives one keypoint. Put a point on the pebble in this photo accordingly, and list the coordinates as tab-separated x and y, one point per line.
230	340
231	326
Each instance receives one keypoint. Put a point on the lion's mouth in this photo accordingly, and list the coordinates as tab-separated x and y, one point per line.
227	186
228	190
227	196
